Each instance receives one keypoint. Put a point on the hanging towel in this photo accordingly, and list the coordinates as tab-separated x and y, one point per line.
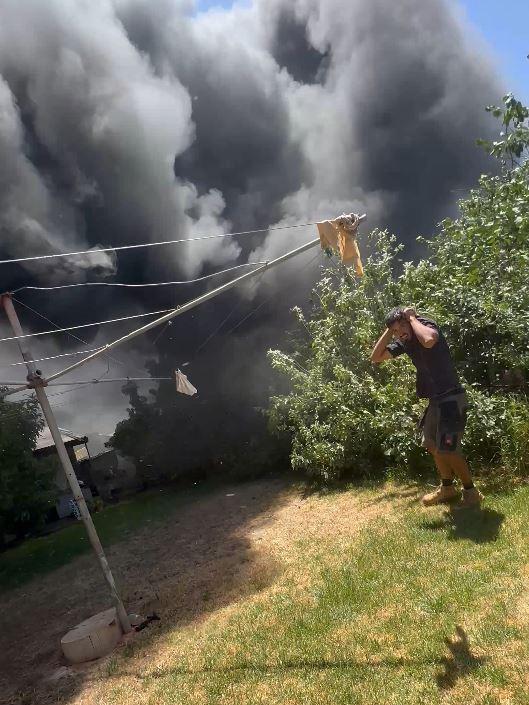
183	385
339	235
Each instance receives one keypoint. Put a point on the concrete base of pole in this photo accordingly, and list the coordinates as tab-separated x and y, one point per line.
93	638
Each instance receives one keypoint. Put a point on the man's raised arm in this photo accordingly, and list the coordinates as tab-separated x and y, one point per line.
380	353
426	335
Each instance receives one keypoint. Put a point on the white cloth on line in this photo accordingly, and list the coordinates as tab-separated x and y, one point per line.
183	385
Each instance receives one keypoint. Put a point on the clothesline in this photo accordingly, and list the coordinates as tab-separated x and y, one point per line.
71	335
332	233
136	286
105	381
86	325
56	357
120	248
339	234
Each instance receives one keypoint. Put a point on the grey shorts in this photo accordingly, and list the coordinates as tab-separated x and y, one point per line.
443	423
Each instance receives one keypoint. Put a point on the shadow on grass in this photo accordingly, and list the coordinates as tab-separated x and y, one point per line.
494	481
408	490
478	525
190	556
41	555
409	493
284	667
460	663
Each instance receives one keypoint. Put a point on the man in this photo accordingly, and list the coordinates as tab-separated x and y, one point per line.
444	420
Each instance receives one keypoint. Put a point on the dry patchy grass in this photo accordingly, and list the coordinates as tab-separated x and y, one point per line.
357	596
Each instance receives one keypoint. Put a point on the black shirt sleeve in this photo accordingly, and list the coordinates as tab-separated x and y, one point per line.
427	322
395	348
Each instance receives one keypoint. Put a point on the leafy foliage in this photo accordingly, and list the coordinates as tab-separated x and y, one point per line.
344	416
133	436
26	485
171	437
514	136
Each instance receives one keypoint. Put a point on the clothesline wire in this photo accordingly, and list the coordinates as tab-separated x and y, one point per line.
237	306
76	388
272	296
67	391
12	413
154	244
302	268
135	286
56	357
79	326
68	333
211	335
78	384
106	372
97	380
215	332
160	334
85	325
166	327
48	320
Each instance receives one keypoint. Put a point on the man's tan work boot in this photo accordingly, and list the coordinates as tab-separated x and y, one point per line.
471	498
442	495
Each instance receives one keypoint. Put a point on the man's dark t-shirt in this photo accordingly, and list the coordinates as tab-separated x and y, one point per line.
436	373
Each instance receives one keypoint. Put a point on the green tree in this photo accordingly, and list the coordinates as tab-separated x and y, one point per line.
511	146
26	485
135	436
173	437
344	416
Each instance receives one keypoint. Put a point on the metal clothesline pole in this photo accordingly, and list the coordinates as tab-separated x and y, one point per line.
167	317
38	384
187	307
114	379
22	388
92	381
172	314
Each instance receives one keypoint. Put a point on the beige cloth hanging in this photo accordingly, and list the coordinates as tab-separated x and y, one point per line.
340	235
183	385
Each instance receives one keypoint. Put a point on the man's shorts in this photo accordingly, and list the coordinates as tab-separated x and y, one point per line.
443	423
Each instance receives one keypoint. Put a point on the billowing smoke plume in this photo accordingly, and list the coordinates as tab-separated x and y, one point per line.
127	121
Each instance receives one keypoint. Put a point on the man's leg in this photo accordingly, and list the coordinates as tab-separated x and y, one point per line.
443	465
446	492
442	433
454	458
459	466
471	495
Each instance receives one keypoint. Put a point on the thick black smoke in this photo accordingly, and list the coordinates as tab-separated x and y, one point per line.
127	121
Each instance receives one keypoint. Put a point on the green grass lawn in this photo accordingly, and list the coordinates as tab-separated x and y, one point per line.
41	555
422	607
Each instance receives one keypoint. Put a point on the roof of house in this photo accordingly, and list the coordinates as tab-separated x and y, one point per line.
45	439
